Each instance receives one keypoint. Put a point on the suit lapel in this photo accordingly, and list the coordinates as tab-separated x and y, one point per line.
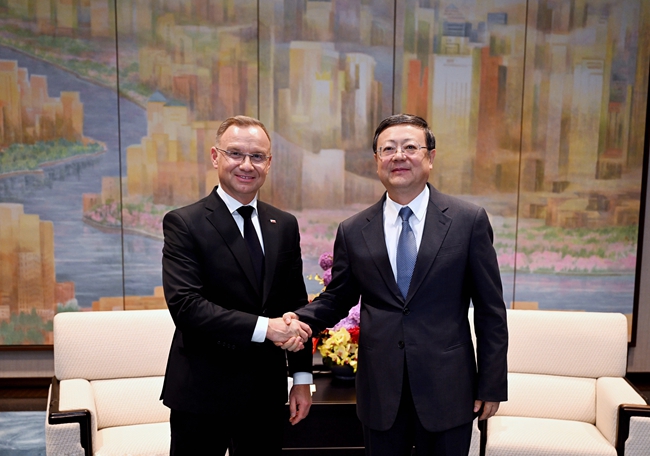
373	234
222	220
436	227
270	235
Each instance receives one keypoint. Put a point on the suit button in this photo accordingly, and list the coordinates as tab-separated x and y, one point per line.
400	344
406	311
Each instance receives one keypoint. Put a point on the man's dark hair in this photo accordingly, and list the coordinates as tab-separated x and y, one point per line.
405	119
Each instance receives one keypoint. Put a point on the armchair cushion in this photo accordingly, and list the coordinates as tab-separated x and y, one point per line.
570	344
139	344
137	440
550	396
517	436
129	401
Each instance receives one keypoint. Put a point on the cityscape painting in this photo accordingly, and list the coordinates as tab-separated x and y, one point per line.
109	109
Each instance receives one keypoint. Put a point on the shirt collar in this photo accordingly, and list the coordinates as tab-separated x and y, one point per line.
231	203
418	205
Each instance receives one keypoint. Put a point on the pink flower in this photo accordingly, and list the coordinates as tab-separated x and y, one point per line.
327	277
352	320
325	261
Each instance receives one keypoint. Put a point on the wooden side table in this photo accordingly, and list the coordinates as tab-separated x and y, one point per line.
332	427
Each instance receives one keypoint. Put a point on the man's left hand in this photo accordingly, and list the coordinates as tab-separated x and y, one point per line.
489	409
299	402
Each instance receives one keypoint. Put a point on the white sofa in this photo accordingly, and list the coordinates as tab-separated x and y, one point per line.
567	391
104	399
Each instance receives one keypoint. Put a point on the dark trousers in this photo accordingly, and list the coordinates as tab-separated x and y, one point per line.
407	431
253	431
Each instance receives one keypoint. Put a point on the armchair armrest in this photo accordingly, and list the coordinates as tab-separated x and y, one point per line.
610	393
633	424
61	438
78	409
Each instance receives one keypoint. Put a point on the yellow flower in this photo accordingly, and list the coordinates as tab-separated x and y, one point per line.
342	336
337	346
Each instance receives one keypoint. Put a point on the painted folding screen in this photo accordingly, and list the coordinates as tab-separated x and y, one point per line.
109	109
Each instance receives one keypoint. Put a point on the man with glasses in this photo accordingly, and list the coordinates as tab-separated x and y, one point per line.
416	259
231	267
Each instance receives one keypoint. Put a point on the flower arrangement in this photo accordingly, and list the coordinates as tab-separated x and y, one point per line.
338	345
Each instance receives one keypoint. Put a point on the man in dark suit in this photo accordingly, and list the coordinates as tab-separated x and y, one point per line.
227	272
417	258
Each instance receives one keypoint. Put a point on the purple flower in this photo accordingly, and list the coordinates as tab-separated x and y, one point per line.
325	261
355	314
352	320
327	277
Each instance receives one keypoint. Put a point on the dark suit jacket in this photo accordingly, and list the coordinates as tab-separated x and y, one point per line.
213	298
429	331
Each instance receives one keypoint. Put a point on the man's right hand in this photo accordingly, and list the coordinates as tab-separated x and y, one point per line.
291	335
291	344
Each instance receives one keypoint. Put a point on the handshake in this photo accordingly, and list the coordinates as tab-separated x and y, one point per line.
288	333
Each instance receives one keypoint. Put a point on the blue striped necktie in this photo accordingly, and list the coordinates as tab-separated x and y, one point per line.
407	252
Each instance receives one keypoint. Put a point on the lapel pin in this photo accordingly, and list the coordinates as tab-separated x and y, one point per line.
272	221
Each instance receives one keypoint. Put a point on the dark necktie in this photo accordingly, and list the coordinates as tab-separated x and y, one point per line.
253	242
407	252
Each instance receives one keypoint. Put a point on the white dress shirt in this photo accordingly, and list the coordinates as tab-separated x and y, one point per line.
259	334
393	223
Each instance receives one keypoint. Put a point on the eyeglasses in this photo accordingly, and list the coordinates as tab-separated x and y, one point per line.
410	149
238	157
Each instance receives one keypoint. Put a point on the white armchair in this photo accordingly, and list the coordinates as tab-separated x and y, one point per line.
104	398
567	391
